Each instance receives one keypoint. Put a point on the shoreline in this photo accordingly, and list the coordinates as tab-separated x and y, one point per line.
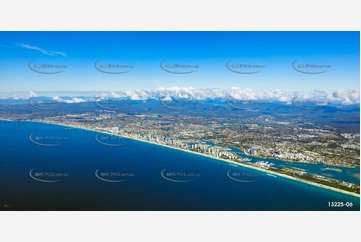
207	156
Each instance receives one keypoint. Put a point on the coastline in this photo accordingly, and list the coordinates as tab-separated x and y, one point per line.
207	156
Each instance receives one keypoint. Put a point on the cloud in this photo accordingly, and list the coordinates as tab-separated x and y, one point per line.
32	94
339	96
345	97
46	52
167	98
73	100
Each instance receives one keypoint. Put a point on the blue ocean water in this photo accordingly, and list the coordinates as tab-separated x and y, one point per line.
74	171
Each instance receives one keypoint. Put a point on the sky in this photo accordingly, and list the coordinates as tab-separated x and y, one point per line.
210	51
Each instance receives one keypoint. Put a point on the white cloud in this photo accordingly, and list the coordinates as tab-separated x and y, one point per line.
32	94
346	97
167	98
73	100
46	52
335	97
115	95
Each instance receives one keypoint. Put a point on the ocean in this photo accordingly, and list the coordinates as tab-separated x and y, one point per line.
52	167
